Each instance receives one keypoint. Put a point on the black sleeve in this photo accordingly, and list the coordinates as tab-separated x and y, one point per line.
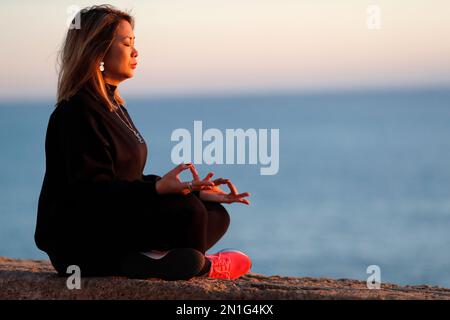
90	170
150	177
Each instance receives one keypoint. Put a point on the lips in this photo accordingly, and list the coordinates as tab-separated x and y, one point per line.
134	65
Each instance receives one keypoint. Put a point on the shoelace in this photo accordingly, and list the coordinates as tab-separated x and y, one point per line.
221	266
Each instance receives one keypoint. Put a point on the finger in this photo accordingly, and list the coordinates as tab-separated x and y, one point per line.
200	183
245	201
241	200
232	187
227	182
208	176
238	198
220	181
196	185
194	172
179	168
185	185
244	194
204	187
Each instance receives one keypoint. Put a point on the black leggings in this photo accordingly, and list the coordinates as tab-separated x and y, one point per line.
177	221
188	222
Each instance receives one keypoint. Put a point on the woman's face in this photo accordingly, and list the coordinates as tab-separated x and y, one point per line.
120	60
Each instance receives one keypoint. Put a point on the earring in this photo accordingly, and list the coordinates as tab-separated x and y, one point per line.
102	66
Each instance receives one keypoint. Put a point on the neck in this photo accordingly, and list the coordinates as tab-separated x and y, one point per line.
111	81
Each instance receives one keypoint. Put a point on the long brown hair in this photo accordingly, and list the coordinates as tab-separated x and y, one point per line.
83	50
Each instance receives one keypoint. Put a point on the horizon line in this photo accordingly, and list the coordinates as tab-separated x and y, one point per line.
259	93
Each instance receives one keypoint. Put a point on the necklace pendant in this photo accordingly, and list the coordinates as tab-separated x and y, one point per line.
129	126
138	136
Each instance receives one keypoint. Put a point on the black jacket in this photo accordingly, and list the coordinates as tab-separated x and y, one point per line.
94	186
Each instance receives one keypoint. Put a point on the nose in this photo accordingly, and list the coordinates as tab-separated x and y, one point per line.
134	53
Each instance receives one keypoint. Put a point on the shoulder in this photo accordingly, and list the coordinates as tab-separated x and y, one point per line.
79	118
80	106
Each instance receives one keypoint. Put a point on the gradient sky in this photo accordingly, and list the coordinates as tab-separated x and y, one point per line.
204	46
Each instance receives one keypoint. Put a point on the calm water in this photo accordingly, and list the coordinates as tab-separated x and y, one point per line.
364	179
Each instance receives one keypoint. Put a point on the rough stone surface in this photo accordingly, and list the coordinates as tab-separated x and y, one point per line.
36	279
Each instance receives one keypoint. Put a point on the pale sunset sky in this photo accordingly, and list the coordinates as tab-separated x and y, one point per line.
238	46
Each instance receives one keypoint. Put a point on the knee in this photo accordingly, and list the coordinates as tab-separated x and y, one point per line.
193	209
221	214
224	215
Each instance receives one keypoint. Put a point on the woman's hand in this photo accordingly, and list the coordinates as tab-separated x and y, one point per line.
215	194
171	183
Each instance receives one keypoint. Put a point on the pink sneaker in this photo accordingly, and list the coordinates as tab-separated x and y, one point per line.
228	264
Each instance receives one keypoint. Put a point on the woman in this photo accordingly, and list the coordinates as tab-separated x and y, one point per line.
97	209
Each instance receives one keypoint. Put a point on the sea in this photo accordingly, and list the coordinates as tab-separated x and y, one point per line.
362	179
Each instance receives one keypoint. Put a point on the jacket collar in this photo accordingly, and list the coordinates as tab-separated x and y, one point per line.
111	89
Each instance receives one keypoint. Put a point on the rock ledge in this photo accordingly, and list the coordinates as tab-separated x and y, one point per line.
36	279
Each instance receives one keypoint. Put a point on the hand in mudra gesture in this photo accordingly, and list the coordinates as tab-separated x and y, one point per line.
216	194
171	183
209	190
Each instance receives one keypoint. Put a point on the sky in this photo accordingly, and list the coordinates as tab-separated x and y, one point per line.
234	46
